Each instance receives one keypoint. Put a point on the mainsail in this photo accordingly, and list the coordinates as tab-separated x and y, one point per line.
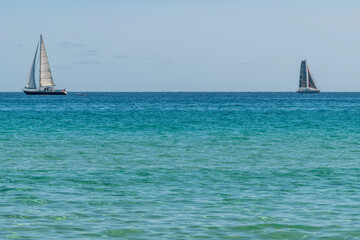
46	79
30	83
303	78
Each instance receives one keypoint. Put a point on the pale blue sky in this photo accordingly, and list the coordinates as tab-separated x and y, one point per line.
184	45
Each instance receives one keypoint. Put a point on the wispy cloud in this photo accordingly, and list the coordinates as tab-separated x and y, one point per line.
86	63
122	57
69	44
90	53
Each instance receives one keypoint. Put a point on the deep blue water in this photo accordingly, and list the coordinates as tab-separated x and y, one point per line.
180	166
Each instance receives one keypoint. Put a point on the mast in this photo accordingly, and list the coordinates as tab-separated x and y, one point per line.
307	76
40	62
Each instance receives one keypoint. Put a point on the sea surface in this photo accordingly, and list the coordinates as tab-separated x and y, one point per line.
180	166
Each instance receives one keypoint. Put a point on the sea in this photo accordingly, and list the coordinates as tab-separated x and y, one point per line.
180	166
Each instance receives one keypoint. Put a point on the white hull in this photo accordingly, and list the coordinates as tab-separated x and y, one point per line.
308	90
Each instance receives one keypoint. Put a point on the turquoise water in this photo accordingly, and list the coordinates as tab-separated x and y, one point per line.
180	166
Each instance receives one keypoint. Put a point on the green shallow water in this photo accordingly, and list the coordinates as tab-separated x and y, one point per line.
180	166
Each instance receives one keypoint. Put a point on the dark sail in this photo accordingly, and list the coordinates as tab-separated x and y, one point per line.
311	80
302	80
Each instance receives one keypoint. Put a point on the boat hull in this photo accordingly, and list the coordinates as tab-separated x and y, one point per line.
308	90
45	92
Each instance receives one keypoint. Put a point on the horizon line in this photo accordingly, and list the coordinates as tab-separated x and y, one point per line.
191	91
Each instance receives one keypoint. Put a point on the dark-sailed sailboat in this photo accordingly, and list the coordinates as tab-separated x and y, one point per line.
307	82
46	83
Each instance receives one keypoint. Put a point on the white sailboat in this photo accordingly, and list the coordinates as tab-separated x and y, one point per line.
46	83
307	83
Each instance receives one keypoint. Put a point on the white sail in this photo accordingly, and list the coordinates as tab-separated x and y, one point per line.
30	83
46	79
